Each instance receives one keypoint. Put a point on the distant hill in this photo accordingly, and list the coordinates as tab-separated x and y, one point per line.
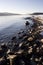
37	13
7	14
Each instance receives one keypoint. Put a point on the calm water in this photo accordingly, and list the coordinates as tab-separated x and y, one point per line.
9	25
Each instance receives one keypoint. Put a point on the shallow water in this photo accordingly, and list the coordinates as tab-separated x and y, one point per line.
10	25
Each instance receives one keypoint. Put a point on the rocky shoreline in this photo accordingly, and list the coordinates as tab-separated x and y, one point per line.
26	48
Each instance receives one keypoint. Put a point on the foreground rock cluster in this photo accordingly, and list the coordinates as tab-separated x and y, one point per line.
26	48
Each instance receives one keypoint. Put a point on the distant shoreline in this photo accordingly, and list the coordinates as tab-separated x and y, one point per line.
8	14
37	13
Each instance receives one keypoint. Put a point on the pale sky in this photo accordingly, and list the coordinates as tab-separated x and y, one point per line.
21	6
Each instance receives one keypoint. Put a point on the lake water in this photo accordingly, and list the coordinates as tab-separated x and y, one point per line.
10	25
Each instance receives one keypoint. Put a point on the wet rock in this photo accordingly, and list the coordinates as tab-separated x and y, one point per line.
27	18
30	39
14	38
1	53
41	40
4	48
11	53
27	23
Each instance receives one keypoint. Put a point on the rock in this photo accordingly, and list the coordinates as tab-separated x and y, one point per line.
27	23
14	38
41	40
4	48
30	39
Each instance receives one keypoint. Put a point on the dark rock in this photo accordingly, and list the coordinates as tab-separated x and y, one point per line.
4	48
14	38
27	23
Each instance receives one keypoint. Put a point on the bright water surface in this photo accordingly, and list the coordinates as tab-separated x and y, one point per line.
10	25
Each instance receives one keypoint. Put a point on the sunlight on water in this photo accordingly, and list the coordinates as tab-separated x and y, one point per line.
6	21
